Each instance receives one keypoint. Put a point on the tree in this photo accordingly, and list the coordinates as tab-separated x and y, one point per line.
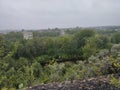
2	46
116	38
83	35
14	36
37	69
89	48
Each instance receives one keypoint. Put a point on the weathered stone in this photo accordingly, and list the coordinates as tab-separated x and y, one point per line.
99	83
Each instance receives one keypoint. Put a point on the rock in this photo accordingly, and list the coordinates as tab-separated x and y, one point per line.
99	83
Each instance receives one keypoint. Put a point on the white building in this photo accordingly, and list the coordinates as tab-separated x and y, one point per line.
62	32
27	35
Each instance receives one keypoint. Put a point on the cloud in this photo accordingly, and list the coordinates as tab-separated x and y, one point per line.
34	14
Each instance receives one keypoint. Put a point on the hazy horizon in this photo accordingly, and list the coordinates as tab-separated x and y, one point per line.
43	14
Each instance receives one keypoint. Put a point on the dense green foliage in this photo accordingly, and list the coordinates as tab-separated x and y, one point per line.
51	57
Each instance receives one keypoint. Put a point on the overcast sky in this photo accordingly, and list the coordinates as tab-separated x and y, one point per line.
38	14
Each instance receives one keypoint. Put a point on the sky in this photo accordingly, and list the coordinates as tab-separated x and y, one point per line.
39	14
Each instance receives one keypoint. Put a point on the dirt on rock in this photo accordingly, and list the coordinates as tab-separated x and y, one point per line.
99	83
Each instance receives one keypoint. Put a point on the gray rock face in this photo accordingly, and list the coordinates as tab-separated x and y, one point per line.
100	83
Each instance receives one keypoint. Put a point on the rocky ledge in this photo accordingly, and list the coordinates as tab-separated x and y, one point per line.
99	83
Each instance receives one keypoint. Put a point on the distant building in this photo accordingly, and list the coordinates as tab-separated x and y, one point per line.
27	35
62	32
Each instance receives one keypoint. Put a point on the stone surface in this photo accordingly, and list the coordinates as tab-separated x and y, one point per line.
99	83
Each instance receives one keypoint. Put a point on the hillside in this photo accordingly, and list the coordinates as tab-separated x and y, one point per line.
48	57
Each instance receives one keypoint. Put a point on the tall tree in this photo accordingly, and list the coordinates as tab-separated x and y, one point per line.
2	46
